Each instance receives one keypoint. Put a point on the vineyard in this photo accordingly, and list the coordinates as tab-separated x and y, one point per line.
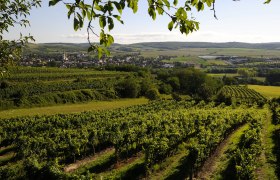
165	139
33	87
31	74
240	95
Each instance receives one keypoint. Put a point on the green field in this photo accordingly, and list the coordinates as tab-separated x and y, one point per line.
222	74
158	140
262	79
268	91
195	60
72	108
213	52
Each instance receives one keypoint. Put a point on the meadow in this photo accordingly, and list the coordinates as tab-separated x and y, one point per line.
72	108
195	52
268	91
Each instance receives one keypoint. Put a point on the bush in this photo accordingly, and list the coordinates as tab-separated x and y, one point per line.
152	94
128	88
165	88
4	84
176	97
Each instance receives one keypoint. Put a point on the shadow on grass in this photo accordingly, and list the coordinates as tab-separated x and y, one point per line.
230	171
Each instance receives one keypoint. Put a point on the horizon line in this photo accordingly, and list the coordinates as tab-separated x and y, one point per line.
276	42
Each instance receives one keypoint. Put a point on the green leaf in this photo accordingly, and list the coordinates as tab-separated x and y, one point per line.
119	7
170	25
71	11
68	6
107	52
152	13
53	2
267	2
98	7
166	2
102	21
110	40
110	23
84	13
89	15
209	3
100	52
76	24
200	6
91	48
135	6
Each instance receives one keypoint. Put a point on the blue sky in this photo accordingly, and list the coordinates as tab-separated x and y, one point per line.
243	21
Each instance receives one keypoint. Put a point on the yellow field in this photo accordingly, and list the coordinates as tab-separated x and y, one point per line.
221	75
73	108
268	91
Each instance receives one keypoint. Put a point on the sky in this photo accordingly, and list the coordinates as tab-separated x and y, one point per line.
238	21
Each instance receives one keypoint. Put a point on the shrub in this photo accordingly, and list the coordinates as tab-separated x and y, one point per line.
165	88
4	84
176	97
153	94
128	88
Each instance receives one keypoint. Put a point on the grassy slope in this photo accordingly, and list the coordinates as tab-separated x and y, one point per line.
268	91
267	159
72	108
222	161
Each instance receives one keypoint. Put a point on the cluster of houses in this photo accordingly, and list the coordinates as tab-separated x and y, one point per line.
67	60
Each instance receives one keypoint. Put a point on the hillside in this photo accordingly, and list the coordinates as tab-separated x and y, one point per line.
82	47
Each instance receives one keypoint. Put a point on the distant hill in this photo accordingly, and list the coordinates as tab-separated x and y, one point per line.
49	48
181	45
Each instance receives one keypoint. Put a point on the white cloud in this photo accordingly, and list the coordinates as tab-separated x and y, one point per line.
132	38
202	36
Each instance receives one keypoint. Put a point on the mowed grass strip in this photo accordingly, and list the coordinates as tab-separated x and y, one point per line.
222	74
268	91
222	161
73	108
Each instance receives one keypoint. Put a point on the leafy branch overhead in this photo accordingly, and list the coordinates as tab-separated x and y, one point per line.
14	12
107	12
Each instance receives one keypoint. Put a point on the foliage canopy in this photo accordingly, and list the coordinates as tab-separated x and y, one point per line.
13	12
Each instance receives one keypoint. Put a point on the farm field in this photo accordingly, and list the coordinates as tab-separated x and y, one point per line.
72	108
158	140
26	87
261	79
240	95
213	52
97	127
195	60
268	91
24	74
221	75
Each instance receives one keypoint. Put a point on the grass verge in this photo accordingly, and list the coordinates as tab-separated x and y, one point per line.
73	108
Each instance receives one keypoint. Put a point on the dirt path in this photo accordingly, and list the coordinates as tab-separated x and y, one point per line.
211	164
72	167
